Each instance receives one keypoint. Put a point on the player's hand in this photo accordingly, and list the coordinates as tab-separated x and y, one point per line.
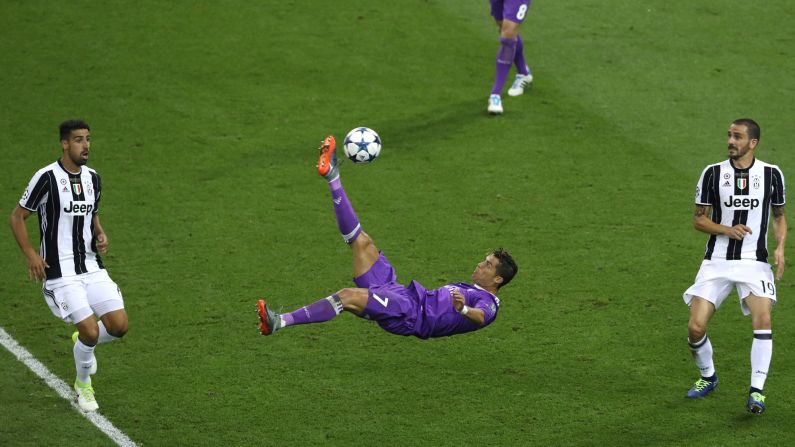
458	300
738	232
102	242
780	262
36	266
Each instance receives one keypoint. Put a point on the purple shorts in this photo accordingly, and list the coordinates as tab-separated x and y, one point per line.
513	10
389	304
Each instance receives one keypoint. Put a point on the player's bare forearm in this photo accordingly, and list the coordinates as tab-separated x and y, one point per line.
779	227
97	225
780	233
99	234
476	316
703	223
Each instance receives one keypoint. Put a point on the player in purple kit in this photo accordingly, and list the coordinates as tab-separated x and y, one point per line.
509	14
455	308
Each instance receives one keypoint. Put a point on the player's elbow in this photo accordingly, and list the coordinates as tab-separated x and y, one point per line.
700	225
16	220
478	319
19	214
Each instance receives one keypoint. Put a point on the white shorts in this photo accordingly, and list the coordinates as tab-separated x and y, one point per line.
715	280
75	298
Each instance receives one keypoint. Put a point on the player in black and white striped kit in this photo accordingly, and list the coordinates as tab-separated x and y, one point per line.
734	200
66	195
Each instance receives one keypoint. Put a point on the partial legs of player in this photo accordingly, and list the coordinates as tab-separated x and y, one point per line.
701	311
511	52
363	250
524	76
761	350
90	332
320	311
350	299
85	364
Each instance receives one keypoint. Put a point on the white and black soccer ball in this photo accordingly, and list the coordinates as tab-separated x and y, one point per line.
362	145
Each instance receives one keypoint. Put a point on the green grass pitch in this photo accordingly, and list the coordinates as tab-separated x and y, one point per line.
205	117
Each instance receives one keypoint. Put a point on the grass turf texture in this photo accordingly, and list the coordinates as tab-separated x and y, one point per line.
205	120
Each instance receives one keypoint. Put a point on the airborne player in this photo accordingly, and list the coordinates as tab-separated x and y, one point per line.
412	310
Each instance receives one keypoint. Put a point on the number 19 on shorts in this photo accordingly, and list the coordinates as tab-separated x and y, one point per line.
768	288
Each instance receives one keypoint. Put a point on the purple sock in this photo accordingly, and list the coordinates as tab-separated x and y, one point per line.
518	60
347	221
505	59
317	312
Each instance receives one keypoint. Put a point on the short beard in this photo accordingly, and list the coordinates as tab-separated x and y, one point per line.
740	154
79	161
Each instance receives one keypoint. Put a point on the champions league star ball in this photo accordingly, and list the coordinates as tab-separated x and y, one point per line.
362	145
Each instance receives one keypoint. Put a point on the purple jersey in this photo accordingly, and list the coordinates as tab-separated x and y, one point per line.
438	317
513	10
416	311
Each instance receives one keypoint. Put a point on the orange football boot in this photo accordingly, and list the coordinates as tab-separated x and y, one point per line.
268	320
327	162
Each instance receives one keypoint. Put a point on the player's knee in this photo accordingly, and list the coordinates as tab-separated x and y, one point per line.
89	334
118	331
353	299
115	323
696	329
509	30
762	321
347	294
364	240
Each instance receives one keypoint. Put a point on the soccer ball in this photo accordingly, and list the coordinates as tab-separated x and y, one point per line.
362	145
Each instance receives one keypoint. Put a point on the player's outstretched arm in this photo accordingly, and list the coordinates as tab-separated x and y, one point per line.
780	232
703	223
36	263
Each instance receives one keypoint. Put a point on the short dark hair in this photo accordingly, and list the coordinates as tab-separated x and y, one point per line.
754	132
68	126
506	268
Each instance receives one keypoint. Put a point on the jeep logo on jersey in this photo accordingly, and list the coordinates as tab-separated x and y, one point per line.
741	204
78	208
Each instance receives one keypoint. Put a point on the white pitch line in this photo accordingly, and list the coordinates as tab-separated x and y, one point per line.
64	390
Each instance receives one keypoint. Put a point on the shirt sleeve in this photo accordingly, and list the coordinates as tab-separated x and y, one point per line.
705	188
779	194
485	302
36	192
97	183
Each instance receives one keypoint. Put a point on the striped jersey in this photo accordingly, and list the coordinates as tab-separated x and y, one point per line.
740	196
66	204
